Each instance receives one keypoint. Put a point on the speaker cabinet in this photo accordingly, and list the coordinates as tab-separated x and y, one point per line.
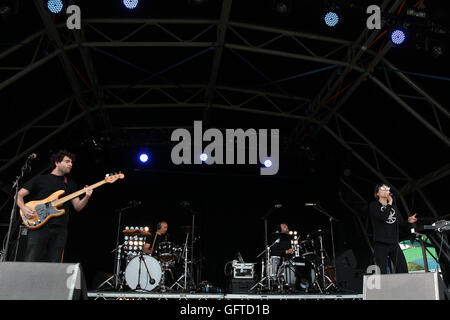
405	286
42	281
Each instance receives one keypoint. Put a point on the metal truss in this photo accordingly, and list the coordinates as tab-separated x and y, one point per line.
223	35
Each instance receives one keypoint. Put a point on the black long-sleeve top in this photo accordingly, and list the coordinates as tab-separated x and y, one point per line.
279	249
386	221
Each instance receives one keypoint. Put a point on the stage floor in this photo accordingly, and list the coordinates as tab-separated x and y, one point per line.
218	296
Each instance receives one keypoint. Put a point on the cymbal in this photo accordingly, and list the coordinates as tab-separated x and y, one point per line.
136	232
319	233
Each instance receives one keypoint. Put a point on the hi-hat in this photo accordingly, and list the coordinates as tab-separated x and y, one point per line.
319	233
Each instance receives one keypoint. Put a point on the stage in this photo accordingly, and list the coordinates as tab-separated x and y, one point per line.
218	296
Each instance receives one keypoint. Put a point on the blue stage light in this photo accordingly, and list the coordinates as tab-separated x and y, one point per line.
268	163
55	6
331	19
398	36
203	157
130	4
144	158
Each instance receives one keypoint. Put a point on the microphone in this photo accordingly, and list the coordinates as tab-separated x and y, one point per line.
310	204
32	156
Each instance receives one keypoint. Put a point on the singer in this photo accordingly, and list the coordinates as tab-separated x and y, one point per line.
386	221
47	243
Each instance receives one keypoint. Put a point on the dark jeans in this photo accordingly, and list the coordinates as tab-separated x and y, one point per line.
46	244
383	251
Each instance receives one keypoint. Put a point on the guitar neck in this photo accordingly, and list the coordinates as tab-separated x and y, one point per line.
77	193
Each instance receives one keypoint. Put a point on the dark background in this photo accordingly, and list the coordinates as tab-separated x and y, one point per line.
229	200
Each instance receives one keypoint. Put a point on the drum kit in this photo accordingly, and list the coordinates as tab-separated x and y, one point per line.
137	271
307	269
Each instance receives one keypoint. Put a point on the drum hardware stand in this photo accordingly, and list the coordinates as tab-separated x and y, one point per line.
265	266
115	276
331	219
184	276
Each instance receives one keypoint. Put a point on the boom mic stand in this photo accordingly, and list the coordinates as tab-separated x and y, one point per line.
331	219
26	167
265	267
266	245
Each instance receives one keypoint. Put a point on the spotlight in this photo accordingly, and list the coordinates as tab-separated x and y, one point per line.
144	158
55	6
130	4
398	36
203	157
267	163
331	18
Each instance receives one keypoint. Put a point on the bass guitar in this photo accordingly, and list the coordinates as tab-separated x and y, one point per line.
49	207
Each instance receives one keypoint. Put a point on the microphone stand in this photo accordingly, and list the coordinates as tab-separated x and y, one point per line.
26	167
118	248
331	219
267	251
266	242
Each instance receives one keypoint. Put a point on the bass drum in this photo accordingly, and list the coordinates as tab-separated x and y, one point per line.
150	269
298	273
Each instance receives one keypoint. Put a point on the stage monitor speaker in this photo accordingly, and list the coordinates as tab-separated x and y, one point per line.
405	286
42	281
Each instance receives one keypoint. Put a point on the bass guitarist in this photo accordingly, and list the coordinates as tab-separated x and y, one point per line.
46	244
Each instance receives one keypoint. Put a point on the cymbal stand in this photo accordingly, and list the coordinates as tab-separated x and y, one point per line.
184	276
322	268
331	219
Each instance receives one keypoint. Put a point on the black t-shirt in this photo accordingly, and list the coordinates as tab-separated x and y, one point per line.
42	186
386	222
279	249
158	240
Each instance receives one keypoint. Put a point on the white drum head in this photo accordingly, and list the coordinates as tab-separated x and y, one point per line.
150	267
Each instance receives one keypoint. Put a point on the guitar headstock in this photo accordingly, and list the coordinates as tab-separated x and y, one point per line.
111	178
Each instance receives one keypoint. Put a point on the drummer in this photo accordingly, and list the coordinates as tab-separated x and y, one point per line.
160	236
283	247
